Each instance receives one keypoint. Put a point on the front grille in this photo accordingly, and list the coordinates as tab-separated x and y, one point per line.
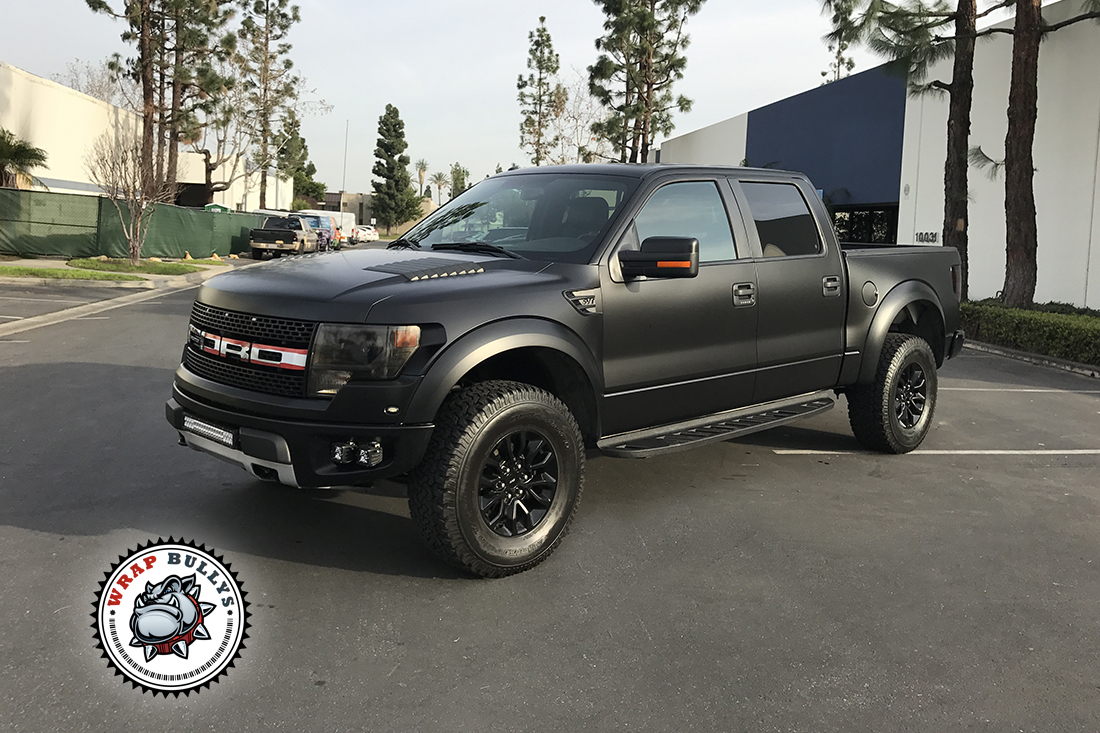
257	379
284	332
259	329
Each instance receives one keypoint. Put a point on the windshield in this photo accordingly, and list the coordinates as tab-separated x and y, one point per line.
552	216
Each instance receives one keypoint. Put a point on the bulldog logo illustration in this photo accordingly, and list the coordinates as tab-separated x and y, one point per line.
150	601
168	617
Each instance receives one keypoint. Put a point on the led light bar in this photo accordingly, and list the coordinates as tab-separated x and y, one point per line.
208	431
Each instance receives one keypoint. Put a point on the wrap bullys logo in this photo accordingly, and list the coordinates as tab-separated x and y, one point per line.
170	617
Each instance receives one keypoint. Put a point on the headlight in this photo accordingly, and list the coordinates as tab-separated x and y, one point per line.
342	352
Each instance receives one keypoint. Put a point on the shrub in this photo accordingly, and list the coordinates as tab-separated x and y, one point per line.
1061	335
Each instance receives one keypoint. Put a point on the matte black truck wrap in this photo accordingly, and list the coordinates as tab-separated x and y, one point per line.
547	312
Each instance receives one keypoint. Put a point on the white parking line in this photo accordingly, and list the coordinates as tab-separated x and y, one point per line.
1066	452
1018	389
8	341
42	300
93	318
13	318
88	309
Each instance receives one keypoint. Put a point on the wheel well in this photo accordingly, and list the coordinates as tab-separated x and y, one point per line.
546	369
922	318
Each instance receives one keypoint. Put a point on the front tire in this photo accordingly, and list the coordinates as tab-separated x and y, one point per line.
501	479
894	412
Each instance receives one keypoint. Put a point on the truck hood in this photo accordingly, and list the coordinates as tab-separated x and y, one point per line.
345	286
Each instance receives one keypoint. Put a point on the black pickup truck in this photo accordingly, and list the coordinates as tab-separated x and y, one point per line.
545	312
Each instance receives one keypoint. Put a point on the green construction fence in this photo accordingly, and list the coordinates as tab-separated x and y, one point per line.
71	225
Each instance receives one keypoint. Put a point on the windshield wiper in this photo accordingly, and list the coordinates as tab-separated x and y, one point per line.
480	248
402	243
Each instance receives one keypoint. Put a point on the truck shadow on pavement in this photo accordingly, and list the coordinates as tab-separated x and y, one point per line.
87	451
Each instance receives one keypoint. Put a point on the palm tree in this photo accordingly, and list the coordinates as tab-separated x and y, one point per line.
422	170
440	180
17	157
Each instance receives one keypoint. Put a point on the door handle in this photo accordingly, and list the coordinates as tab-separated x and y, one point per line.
744	295
830	286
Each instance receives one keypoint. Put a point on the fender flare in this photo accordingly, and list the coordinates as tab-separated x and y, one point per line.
485	342
902	296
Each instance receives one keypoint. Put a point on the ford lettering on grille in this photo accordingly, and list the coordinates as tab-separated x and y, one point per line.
247	351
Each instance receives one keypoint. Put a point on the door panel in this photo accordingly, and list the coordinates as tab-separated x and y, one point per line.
800	281
681	348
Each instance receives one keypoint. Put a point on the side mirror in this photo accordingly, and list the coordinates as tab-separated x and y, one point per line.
662	257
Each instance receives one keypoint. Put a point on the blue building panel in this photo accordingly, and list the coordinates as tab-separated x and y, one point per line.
846	136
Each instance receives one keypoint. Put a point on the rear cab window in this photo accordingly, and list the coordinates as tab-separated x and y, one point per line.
280	222
783	220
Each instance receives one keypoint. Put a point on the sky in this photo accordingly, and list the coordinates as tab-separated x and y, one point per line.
450	67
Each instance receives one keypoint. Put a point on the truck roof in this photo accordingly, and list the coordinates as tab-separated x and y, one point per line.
640	170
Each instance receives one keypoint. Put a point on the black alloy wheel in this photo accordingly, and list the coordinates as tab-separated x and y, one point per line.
518	483
911	396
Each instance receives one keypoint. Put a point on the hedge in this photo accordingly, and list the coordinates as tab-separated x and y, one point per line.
1060	335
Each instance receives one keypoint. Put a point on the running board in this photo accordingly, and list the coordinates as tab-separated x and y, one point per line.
715	428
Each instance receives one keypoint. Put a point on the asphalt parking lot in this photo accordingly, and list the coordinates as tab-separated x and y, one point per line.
787	581
26	301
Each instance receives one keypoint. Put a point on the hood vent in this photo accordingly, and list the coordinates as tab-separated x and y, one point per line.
428	268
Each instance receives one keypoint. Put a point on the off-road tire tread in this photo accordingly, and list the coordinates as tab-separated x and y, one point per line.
432	483
868	412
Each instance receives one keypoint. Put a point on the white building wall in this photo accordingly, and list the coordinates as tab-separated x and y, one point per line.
1067	158
722	143
65	123
61	121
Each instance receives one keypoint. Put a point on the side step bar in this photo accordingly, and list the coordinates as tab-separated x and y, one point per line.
715	428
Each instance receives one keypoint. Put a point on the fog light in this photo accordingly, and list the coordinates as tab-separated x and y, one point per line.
370	454
366	454
344	453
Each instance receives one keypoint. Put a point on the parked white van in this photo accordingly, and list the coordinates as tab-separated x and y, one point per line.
345	221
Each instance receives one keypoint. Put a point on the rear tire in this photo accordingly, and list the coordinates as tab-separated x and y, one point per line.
257	254
894	412
501	479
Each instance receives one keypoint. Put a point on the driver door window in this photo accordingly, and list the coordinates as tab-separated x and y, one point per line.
689	209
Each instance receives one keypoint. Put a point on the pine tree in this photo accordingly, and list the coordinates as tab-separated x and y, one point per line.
269	75
919	35
139	16
540	95
196	36
394	201
459	177
642	57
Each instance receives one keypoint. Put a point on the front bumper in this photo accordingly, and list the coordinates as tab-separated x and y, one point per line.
296	452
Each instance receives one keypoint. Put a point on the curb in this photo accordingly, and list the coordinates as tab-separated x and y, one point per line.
1085	370
177	281
69	283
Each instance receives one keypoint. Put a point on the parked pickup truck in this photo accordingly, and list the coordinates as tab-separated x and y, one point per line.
283	235
636	310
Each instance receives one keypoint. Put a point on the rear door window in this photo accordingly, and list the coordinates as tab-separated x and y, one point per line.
783	220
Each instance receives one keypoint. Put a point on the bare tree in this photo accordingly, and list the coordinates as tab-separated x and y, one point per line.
116	164
572	125
103	80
